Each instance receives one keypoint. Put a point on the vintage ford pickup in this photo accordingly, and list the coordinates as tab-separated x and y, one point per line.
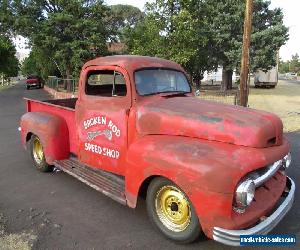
136	129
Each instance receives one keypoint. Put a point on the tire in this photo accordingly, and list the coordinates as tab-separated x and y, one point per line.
27	87
171	212
37	154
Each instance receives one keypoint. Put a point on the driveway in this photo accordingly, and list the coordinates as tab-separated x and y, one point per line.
55	211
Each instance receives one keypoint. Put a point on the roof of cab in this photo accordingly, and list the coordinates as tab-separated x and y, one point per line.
133	63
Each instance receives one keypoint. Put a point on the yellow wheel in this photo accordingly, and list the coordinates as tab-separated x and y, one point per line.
37	154
171	211
37	151
172	208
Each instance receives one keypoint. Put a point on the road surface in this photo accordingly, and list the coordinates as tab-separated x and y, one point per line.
58	212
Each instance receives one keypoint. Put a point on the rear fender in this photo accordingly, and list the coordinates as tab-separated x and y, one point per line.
52	131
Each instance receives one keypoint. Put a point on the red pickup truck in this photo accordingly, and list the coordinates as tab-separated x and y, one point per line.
33	81
136	129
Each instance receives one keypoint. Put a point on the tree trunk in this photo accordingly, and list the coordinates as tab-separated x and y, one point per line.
197	82
197	78
226	79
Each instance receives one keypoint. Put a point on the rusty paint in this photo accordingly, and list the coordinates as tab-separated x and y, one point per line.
203	147
207	120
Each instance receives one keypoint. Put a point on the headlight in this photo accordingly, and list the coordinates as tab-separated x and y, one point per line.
287	160
244	193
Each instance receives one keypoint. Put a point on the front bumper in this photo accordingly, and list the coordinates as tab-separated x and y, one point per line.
232	237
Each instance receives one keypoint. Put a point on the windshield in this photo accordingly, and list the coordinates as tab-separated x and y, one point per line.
155	81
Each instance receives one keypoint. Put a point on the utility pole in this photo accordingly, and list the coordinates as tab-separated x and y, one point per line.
245	53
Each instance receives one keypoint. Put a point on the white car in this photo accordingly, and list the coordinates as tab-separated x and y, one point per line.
291	76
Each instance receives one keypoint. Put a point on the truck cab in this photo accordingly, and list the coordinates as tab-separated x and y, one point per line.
136	129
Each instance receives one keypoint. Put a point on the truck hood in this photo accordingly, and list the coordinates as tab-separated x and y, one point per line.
192	117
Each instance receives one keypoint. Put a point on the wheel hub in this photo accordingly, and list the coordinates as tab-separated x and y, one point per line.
38	153
173	208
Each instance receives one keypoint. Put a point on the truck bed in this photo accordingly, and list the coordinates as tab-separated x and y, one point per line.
64	108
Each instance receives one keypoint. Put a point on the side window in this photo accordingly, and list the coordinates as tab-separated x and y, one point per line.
105	83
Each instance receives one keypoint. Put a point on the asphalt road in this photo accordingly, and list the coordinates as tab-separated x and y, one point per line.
66	214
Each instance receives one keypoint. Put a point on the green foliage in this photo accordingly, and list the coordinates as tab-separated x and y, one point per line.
202	35
268	35
292	65
6	17
120	21
66	32
295	64
9	64
37	63
172	30
145	39
283	67
121	17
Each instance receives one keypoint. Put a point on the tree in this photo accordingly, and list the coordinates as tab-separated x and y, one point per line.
268	35
65	32
171	30
9	64
123	16
294	64
37	63
202	35
283	66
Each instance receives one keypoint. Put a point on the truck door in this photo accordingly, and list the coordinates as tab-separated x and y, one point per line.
101	115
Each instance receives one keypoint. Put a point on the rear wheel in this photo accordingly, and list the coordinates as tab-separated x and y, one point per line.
27	87
37	155
172	212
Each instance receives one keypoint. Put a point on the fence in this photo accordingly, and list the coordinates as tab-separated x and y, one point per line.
207	92
213	93
62	85
228	97
7	82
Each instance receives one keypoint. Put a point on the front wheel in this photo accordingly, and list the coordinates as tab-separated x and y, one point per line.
37	155
172	212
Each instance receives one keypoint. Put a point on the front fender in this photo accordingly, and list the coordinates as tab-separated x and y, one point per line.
206	171
52	131
190	163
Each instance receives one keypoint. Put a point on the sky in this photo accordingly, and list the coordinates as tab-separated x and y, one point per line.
291	19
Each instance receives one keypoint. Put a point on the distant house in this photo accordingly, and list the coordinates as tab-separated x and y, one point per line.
216	76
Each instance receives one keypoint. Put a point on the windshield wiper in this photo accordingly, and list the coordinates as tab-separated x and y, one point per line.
175	93
168	93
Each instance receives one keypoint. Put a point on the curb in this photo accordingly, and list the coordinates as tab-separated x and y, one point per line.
59	95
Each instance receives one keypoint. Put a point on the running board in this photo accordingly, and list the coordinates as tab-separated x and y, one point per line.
107	183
